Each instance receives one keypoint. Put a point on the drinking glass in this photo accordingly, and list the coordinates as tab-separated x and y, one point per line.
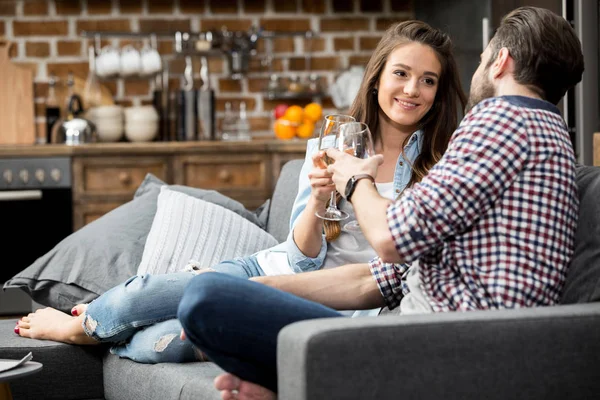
355	139
328	139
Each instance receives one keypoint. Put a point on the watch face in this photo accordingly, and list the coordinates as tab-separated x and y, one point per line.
349	187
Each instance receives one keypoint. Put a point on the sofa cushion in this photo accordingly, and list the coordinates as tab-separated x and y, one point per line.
68	372
186	228
278	223
126	380
583	278
105	252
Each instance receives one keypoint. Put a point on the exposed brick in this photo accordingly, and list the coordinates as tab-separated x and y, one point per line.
231	24
343	43
164	25
383	23
104	25
289	6
2	28
99	7
316	63
260	123
256	65
160	6
111	86
235	102
314	44
40	89
257	85
402	5
40	109
230	85
165	47
368	43
279	45
371	6
359	60
40	131
216	65
342	6
37	49
13	50
223	6
285	25
62	70
137	87
254	6
130	6
68	48
68	7
8	8
35	7
313	6
40	28
351	24
269	105
191	6
123	102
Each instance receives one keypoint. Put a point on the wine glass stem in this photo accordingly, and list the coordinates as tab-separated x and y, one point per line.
332	202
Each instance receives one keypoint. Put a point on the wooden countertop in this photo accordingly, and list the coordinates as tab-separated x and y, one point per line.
55	150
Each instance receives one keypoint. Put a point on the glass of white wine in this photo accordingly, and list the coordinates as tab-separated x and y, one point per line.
328	138
355	139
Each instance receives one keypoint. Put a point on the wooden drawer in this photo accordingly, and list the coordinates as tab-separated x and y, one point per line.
85	213
114	177
241	174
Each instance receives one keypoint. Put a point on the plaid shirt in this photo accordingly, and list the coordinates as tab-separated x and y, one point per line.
493	223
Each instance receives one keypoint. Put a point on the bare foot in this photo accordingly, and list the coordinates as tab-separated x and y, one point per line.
79	309
51	324
232	387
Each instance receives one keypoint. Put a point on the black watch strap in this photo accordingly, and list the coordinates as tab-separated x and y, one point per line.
351	185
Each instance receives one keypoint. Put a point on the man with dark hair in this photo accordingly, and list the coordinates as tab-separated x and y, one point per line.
491	226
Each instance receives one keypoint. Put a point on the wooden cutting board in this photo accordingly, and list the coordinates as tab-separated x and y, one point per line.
17	114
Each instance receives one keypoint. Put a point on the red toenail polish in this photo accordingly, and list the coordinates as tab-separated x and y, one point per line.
17	329
74	311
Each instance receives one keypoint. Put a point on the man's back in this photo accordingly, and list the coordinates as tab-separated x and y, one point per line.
504	204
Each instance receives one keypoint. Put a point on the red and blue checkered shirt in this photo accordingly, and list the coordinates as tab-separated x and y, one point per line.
493	223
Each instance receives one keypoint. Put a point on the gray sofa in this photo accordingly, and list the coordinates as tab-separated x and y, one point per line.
542	353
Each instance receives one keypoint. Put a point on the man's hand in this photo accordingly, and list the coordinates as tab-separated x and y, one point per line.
346	166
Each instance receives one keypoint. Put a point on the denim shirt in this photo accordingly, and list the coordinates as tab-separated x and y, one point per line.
298	261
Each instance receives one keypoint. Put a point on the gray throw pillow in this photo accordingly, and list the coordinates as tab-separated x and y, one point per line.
583	277
105	252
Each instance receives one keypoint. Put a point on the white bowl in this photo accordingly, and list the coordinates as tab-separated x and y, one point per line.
101	112
109	133
141	132
141	114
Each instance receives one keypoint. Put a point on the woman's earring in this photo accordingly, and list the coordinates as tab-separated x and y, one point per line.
374	91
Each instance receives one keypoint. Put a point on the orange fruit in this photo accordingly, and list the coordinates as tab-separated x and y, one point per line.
313	112
306	130
294	114
284	129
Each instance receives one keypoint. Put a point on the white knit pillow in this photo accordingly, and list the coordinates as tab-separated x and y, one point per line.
186	228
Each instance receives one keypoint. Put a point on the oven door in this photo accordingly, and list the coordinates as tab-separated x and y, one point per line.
33	222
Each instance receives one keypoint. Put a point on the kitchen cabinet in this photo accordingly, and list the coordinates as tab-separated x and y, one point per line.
106	175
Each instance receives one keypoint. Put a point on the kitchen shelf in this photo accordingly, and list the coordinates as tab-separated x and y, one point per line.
293	96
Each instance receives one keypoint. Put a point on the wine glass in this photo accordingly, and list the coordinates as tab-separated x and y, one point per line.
355	139
328	139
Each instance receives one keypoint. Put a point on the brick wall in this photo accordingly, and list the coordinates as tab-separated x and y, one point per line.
47	38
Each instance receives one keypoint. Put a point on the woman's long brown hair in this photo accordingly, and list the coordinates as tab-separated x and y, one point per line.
443	117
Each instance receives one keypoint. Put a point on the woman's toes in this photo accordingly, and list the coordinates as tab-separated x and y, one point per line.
79	309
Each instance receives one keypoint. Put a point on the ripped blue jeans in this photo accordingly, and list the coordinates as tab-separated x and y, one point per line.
140	315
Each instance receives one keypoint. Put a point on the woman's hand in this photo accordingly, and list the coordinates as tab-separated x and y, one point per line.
320	180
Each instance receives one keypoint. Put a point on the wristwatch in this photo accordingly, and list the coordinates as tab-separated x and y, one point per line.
351	185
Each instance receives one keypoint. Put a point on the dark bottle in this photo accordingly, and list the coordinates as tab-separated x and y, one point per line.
52	108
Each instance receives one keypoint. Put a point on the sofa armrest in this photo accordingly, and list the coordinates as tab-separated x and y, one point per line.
540	353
